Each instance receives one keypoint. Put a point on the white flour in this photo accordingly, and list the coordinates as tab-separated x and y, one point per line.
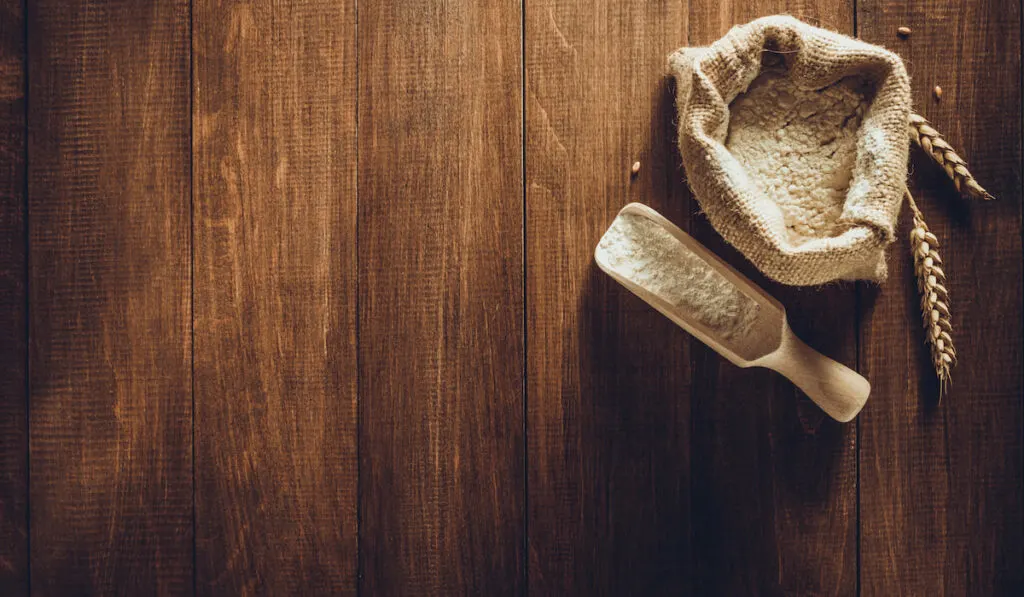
799	146
649	256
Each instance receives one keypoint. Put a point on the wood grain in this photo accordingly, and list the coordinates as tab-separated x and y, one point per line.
377	219
941	486
275	255
13	306
108	197
608	378
774	479
441	298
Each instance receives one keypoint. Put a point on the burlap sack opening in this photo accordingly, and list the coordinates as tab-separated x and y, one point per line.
794	140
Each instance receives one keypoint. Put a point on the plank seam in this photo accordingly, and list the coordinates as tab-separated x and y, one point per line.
526	330
28	303
357	318
192	277
1020	221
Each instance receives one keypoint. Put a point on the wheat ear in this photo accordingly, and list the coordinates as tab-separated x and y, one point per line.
931	284
924	135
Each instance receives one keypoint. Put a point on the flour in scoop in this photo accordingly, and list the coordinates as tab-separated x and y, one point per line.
649	256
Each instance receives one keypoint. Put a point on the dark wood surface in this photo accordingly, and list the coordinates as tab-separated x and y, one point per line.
274	255
298	298
13	305
440	298
110	404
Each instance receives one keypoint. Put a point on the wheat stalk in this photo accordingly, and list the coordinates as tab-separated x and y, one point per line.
931	284
924	135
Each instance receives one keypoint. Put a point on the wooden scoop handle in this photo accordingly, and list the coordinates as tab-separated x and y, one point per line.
840	391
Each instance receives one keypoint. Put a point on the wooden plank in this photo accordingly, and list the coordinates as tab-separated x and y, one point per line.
608	378
441	298
13	308
275	359
941	486
774	479
108	197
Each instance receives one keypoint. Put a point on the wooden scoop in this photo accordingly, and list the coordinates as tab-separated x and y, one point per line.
693	287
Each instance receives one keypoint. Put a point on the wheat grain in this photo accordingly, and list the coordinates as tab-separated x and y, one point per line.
924	135
931	284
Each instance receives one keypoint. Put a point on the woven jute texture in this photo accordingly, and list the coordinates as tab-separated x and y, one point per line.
756	187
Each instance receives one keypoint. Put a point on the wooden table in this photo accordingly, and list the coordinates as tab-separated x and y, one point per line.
297	297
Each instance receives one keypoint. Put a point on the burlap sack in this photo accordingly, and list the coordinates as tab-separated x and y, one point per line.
794	141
